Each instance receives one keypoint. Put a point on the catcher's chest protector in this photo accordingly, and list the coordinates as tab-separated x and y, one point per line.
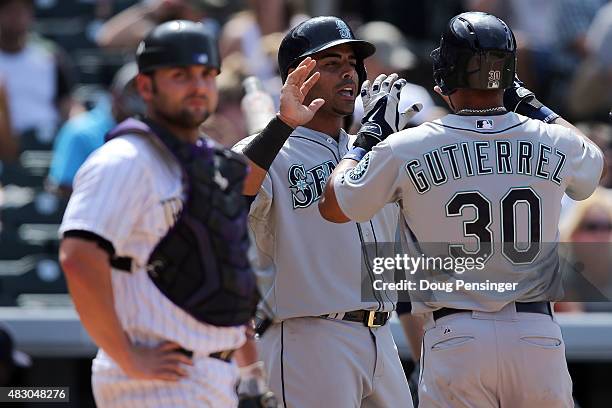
201	264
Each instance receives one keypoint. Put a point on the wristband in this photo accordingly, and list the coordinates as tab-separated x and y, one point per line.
534	109
366	140
264	147
356	153
543	113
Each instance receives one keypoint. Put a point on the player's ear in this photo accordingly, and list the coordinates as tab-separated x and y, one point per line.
144	85
438	90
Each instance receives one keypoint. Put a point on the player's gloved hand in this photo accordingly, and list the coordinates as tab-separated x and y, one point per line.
380	110
521	100
253	391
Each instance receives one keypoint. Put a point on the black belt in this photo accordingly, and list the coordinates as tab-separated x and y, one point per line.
369	318
532	307
225	355
123	263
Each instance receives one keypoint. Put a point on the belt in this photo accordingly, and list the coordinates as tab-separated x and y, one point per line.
122	263
369	318
224	355
532	307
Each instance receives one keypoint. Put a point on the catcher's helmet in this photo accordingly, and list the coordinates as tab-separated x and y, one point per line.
478	51
318	34
178	43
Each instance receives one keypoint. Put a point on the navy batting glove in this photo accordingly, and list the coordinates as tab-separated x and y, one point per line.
521	100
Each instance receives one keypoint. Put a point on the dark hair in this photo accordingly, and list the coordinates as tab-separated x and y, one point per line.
5	2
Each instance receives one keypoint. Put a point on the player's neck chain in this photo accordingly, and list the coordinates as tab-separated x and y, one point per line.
488	111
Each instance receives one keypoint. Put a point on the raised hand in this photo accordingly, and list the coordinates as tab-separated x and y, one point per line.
292	110
380	105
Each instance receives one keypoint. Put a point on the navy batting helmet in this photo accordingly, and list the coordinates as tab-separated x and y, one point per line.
178	43
478	51
318	34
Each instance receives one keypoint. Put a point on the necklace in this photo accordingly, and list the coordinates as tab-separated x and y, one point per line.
468	111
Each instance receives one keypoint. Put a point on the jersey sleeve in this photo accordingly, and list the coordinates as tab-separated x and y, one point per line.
109	193
263	200
363	190
586	165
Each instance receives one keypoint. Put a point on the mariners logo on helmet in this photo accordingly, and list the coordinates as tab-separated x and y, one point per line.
343	29
317	34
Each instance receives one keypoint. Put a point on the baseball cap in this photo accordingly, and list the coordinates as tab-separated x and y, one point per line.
391	45
9	354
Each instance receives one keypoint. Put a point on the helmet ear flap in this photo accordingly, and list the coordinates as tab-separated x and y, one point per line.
362	74
439	71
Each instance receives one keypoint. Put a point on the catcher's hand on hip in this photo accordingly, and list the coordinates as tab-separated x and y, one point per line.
380	105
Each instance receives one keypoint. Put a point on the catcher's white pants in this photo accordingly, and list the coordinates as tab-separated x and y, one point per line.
503	359
210	383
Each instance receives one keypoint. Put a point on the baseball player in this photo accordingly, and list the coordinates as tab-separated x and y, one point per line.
496	168
326	346
126	197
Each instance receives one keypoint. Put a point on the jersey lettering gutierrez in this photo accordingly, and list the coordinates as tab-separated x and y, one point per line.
129	192
309	266
490	186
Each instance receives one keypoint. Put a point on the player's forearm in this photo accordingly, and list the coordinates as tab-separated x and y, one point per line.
126	28
261	152
247	354
88	277
328	204
254	179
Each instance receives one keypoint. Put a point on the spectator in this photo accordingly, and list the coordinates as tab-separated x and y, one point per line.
227	125
8	142
36	73
589	229
586	99
84	133
244	33
549	48
12	362
126	29
394	55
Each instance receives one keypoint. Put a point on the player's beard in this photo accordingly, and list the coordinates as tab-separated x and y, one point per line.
183	118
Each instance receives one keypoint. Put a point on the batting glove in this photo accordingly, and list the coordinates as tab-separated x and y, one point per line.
381	116
523	101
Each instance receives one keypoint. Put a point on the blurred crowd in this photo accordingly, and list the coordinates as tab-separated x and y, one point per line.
66	74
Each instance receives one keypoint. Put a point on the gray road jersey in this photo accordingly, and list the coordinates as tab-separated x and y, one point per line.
469	179
309	266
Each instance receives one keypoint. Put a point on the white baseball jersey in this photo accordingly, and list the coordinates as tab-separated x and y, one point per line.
479	180
129	192
309	266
